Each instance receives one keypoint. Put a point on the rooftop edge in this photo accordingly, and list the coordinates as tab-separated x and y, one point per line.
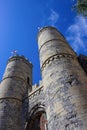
23	58
45	28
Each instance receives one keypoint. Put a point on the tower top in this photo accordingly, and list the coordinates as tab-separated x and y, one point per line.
21	58
45	28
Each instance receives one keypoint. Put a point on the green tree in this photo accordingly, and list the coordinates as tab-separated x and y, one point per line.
81	7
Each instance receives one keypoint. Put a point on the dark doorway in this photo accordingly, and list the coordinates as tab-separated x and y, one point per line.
38	122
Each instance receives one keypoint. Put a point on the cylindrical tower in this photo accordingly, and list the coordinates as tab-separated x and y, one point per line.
16	82
64	81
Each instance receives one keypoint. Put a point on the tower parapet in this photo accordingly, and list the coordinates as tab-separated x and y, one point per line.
16	82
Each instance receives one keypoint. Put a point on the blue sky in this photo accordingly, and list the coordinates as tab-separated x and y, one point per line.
21	19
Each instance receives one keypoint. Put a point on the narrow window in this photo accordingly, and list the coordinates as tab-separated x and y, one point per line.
29	84
28	80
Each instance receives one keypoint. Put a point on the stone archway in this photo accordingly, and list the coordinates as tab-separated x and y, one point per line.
37	119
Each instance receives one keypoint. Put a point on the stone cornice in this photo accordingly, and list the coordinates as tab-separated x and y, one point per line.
56	56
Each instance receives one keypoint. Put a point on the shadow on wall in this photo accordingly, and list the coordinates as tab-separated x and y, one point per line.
83	62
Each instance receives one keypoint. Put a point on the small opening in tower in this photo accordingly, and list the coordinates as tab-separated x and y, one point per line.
28	80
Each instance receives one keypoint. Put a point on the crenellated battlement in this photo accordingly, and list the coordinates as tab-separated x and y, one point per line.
35	92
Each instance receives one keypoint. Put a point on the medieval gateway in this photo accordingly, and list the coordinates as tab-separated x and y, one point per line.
60	100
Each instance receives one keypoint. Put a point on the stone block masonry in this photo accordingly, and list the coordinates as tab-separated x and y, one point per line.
60	100
64	81
16	82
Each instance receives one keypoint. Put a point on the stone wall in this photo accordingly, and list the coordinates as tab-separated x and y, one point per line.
65	82
13	89
36	98
62	93
36	106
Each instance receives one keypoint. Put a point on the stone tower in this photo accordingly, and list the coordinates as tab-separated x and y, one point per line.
16	83
64	81
60	100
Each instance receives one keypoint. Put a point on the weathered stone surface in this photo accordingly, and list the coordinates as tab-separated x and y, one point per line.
65	83
61	95
14	88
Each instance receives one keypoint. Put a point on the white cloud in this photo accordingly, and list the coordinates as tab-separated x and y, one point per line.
53	18
77	34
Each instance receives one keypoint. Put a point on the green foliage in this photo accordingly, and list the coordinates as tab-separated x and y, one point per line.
81	7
